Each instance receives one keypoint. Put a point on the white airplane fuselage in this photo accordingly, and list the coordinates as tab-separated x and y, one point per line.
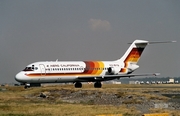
84	71
60	72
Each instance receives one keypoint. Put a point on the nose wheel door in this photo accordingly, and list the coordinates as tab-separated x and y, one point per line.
43	70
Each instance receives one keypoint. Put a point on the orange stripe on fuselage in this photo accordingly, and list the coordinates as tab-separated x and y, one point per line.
92	67
95	71
101	65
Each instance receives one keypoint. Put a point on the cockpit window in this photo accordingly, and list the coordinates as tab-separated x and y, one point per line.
28	69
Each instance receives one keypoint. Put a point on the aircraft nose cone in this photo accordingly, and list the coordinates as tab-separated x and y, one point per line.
19	77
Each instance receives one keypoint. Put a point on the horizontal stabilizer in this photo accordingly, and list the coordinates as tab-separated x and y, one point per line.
154	42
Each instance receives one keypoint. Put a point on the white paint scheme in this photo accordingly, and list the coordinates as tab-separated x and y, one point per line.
45	70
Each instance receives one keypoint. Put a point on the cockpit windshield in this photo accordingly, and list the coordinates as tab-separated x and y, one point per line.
30	68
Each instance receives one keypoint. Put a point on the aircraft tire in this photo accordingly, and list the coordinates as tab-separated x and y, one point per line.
97	85
25	87
78	85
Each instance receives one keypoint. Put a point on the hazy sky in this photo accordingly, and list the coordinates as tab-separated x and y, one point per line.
43	30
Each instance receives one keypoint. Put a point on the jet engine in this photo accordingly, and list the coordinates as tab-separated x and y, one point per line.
112	70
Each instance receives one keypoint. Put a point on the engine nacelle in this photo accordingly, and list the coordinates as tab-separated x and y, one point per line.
113	71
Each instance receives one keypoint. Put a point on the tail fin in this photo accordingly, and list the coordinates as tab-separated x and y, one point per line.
134	52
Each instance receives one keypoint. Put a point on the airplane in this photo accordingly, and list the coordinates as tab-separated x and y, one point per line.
85	71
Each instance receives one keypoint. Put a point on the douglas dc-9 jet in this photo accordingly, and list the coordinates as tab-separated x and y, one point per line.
85	71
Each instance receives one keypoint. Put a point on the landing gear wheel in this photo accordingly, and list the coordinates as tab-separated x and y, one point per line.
25	87
97	85
78	85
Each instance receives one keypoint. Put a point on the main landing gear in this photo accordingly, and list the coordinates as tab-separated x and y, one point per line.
96	85
78	85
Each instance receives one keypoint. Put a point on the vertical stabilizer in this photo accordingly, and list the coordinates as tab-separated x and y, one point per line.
134	52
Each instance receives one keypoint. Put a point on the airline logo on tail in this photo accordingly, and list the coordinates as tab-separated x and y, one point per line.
132	56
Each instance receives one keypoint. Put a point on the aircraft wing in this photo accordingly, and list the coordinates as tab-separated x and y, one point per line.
146	74
112	77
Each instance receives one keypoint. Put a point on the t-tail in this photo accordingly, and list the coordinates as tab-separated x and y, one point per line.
133	54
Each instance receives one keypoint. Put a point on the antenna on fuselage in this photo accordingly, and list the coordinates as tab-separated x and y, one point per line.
56	60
